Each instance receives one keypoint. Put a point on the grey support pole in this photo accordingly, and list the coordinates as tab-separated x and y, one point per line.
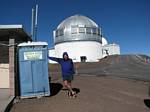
12	66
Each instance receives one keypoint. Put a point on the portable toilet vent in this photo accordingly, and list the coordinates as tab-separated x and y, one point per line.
33	69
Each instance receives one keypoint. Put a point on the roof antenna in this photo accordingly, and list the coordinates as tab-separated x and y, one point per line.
34	23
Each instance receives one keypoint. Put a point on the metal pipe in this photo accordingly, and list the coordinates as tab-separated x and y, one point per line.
32	24
35	28
36	15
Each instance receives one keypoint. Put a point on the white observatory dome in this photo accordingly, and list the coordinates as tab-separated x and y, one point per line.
80	37
77	20
77	28
104	41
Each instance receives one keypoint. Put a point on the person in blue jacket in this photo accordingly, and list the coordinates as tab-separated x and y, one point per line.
67	68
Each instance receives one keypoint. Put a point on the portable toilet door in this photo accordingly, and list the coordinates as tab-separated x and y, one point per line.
33	69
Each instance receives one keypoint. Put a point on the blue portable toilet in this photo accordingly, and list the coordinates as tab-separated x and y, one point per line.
33	69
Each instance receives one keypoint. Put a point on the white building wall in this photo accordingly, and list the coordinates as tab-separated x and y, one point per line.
4	75
91	49
111	49
52	54
104	41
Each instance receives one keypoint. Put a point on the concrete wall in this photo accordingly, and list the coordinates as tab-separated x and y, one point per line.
4	75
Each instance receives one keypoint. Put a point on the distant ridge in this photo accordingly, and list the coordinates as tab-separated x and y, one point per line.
128	66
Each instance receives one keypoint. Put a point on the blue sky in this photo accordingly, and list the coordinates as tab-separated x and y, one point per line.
125	22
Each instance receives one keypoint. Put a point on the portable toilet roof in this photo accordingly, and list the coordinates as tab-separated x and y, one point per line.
33	44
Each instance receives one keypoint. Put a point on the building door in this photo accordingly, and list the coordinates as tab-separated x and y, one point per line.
83	58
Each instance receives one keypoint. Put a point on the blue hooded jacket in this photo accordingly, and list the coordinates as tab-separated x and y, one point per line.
67	66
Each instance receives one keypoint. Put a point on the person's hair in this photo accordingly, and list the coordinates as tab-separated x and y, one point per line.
65	53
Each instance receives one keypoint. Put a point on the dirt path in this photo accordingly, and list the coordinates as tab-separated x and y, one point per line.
97	94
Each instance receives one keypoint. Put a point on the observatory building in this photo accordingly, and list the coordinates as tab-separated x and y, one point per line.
82	38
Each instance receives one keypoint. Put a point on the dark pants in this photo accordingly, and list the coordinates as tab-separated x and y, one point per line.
69	78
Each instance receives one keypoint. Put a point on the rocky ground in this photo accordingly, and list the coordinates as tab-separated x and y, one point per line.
95	94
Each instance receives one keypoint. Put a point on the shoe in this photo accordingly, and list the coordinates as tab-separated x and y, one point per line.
69	94
73	94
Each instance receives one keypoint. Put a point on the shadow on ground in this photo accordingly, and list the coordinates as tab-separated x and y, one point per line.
55	88
77	90
147	103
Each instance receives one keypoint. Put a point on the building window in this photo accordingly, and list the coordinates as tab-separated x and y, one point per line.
59	32
88	30
94	30
98	30
74	29
56	33
81	30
